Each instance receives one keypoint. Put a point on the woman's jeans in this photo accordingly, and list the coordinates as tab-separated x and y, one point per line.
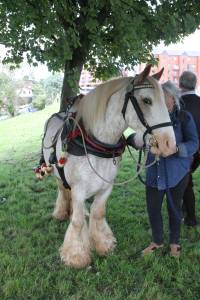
154	198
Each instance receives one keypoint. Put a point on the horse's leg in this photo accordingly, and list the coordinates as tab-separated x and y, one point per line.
101	235
75	250
62	208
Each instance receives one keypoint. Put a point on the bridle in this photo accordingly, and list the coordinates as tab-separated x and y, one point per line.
130	96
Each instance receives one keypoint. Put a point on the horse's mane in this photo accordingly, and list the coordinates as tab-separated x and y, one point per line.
93	105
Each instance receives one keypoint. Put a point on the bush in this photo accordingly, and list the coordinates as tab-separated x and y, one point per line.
11	108
39	102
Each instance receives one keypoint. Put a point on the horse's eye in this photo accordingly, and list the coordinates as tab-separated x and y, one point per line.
147	101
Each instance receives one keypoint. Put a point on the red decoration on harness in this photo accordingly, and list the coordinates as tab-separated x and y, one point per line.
38	173
48	170
43	166
73	134
62	160
42	170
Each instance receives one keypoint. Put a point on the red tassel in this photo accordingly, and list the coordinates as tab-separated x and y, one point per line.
43	165
48	170
37	170
39	173
62	160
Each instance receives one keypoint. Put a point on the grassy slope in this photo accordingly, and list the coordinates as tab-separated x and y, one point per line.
30	266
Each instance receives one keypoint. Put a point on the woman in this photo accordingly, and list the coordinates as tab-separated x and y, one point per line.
169	176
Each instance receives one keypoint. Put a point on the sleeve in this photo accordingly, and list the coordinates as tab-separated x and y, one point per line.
190	143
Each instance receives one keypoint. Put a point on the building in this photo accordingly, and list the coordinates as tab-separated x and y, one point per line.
87	82
175	62
24	92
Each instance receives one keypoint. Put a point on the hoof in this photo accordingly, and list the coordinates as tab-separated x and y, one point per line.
75	260
102	238
106	247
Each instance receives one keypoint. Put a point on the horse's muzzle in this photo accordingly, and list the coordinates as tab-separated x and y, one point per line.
163	145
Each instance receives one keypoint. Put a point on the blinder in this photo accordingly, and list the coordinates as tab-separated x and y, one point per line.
130	96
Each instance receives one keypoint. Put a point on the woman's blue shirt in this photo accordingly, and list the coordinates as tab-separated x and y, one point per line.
168	171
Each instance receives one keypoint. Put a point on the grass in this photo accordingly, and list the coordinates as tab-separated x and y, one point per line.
30	266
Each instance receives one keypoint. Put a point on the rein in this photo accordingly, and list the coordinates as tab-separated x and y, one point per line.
93	145
142	166
120	148
130	96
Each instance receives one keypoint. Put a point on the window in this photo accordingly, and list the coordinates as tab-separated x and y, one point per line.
175	67
191	67
175	73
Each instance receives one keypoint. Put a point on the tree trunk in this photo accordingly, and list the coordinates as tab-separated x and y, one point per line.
71	79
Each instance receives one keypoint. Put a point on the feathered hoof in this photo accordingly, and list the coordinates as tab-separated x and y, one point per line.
75	260
105	247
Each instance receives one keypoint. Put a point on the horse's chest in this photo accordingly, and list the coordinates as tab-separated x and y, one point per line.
94	174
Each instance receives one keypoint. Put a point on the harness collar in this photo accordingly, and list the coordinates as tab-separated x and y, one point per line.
93	145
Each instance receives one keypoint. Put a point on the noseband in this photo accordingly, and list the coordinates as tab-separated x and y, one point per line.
130	96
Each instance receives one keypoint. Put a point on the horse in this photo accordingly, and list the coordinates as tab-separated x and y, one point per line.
106	112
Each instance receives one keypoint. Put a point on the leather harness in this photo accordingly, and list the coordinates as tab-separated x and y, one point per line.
72	143
72	139
130	96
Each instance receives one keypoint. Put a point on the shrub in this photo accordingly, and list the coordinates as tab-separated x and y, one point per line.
39	102
11	108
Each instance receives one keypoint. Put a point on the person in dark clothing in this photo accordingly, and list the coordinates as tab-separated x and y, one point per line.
187	84
169	175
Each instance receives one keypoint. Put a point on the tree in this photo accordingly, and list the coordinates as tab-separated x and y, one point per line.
103	35
39	96
52	86
7	94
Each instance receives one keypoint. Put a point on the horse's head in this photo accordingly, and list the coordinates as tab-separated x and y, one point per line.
145	99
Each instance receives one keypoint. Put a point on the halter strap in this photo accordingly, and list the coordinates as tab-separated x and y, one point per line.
130	96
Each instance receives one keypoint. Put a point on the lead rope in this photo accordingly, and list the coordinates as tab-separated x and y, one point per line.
142	166
139	165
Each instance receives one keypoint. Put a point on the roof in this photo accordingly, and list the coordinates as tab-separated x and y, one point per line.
176	52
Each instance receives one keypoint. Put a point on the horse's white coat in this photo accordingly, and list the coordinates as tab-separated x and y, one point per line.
107	127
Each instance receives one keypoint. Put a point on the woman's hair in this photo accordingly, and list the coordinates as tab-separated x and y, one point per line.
171	89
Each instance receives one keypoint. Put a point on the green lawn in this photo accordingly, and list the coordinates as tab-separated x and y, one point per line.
30	266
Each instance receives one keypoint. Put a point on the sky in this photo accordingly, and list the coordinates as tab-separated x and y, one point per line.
190	43
39	72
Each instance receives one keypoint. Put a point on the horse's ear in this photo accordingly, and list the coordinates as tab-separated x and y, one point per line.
158	75
142	76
